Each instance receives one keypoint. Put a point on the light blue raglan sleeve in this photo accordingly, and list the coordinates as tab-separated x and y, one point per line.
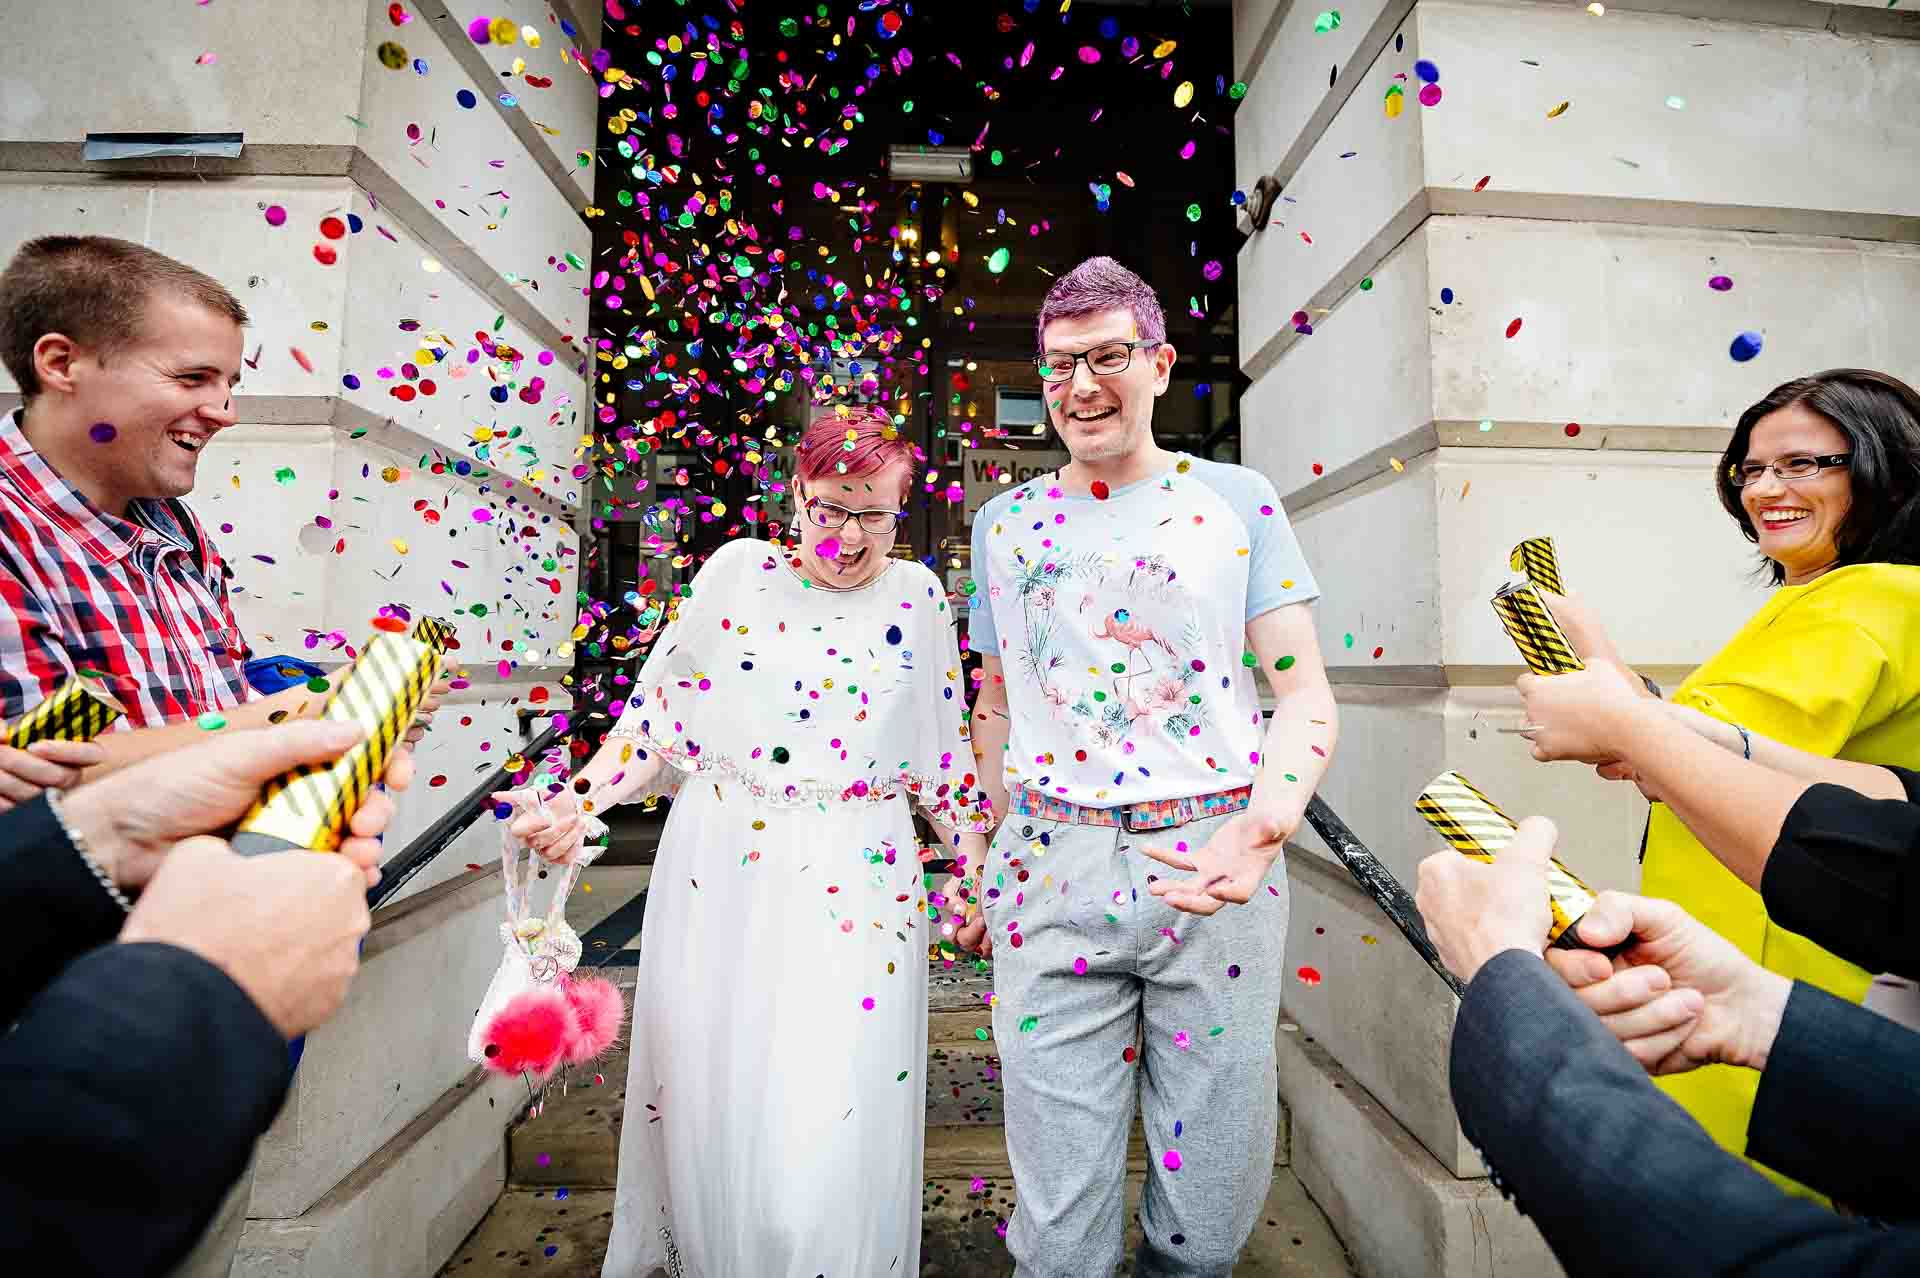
1277	571
981	635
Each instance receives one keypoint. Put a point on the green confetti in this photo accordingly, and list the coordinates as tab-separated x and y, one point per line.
211	721
1366	284
1328	20
1216	1031
1248	660
1349	641
1027	1023
1000	259
1285	663
284	476
1193	213
980	1034
901	1077
318	684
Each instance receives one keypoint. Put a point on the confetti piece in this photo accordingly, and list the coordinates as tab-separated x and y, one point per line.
1513	329
1558	111
1326	20
1171	1160
1308	975
300	358
1745	346
1720	284
102	432
211	721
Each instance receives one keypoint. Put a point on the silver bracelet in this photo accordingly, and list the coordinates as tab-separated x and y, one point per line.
80	846
1746	742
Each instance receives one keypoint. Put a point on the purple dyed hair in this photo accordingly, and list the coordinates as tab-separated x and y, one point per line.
876	444
1102	284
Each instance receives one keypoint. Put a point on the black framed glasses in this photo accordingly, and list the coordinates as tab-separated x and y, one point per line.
875	522
1797	466
1103	360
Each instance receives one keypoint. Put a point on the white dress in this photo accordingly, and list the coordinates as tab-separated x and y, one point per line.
776	1097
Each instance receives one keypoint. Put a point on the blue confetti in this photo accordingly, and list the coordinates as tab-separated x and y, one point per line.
466	99
1745	347
1428	73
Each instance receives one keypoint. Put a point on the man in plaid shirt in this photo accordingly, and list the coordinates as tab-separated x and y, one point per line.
126	362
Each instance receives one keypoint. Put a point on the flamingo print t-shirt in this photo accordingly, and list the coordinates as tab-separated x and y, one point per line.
1121	624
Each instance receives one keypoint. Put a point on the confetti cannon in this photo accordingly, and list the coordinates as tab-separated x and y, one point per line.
1477	828
435	633
80	710
1536	559
1377	881
309	806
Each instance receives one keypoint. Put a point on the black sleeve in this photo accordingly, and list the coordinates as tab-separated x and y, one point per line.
136	1085
1619	1178
56	909
1843	875
1836	1104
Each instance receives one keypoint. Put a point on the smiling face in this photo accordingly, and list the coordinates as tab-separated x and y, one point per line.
1105	419
849	556
1799	522
164	396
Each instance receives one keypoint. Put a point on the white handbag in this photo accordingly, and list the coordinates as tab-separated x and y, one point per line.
539	955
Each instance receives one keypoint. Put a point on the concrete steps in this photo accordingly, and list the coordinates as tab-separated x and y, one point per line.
556	1212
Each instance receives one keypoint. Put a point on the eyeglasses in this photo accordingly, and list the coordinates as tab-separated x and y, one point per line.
1102	361
1798	466
877	522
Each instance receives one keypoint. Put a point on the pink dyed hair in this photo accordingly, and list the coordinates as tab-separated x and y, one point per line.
1102	284
876	444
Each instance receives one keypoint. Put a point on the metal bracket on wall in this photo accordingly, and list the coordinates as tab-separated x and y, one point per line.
1266	194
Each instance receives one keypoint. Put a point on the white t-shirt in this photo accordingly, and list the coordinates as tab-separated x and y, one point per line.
1121	623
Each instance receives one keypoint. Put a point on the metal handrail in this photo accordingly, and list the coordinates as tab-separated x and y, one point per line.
439	836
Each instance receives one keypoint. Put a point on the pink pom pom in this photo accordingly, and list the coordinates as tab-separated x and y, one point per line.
598	1013
530	1034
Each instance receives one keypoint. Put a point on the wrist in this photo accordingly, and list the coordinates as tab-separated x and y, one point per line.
1763	1006
91	823
1483	950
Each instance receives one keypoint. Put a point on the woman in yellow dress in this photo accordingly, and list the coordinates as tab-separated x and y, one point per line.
1823	475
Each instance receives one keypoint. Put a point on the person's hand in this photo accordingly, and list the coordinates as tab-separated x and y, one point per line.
131	819
1577	715
1681	995
44	765
963	902
554	827
1582	628
1228	869
1474	910
423	717
286	926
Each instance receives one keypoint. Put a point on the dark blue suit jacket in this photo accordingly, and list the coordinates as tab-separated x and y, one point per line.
1621	1180
136	1077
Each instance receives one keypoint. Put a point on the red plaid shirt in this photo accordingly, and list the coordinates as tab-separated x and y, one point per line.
82	589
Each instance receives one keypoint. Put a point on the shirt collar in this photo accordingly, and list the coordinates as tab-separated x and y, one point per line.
107	537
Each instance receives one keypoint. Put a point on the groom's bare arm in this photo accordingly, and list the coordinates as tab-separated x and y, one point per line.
990	730
1306	723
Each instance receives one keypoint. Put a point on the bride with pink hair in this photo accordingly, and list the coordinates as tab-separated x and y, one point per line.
797	705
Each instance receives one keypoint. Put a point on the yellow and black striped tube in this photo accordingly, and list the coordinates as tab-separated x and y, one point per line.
1475	827
434	632
80	710
309	806
1542	644
1536	559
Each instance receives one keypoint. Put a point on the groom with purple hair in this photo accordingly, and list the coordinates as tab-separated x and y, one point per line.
1121	606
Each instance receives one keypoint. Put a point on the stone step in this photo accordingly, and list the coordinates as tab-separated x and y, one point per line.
564	1232
1397	1209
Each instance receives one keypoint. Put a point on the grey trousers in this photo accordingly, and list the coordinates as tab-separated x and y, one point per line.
1099	959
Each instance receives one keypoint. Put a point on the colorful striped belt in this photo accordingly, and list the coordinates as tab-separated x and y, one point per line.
1154	814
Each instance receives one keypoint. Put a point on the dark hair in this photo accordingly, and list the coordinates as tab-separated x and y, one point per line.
94	289
1880	416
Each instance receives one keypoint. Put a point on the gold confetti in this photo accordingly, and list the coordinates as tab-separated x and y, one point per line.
1558	111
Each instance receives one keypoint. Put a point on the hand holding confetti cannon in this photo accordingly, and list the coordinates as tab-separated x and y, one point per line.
48	747
309	807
